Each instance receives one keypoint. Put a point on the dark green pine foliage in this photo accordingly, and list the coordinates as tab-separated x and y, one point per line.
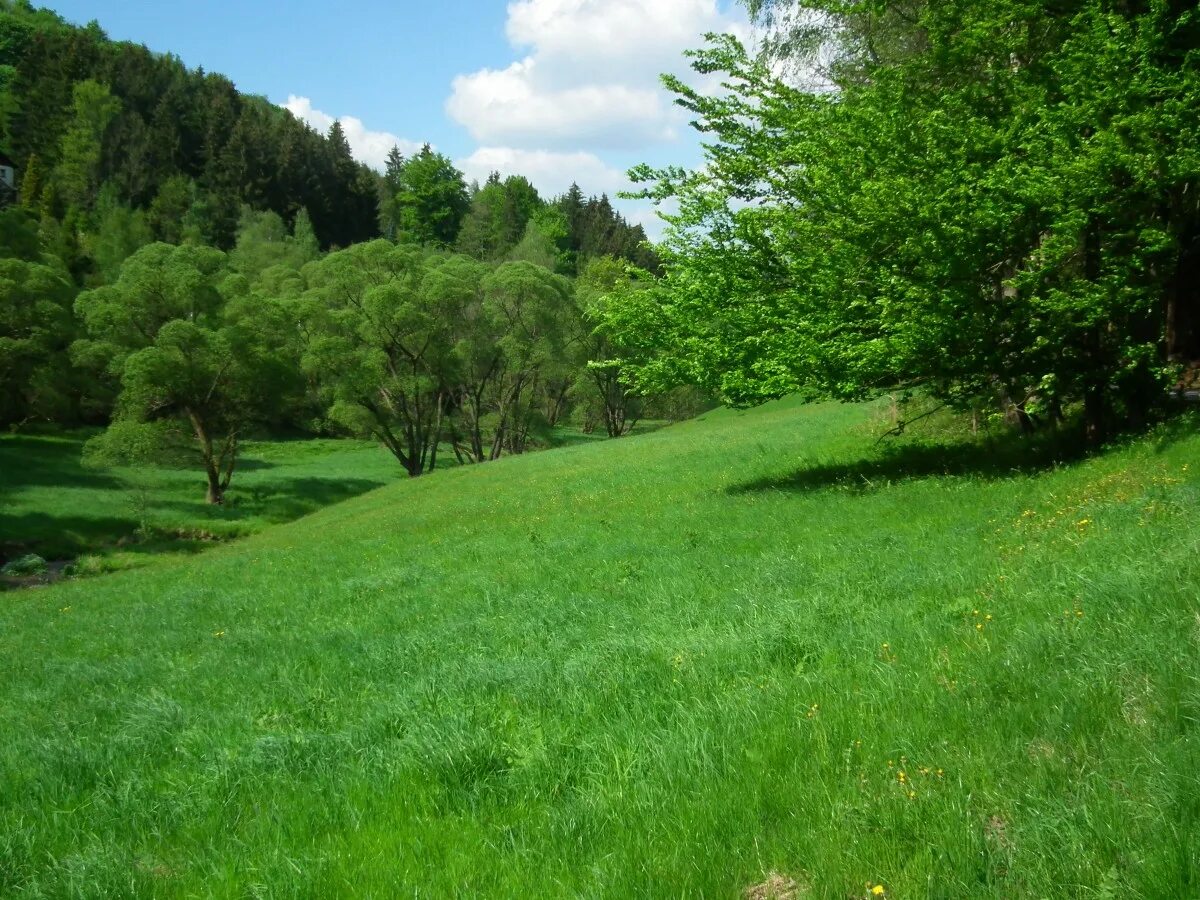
172	123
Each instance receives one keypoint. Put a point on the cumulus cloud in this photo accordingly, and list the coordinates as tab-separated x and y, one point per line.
370	147
590	77
550	172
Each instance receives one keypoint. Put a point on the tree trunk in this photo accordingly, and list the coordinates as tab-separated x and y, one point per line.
216	494
1095	414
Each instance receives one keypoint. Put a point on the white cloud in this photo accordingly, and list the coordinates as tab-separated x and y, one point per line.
370	147
550	172
590	78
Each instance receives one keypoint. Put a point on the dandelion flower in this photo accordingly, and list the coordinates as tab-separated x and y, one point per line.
878	890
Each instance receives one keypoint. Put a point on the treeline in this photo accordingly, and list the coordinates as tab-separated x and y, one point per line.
80	114
172	268
424	350
108	134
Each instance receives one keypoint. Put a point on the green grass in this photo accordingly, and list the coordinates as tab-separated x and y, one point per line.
665	666
52	505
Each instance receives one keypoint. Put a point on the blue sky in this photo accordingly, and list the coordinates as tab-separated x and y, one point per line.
557	90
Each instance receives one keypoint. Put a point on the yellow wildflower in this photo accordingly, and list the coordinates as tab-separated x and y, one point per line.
878	890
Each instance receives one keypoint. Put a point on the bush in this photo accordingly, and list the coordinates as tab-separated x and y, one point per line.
26	565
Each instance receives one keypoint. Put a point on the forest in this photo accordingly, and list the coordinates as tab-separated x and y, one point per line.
187	264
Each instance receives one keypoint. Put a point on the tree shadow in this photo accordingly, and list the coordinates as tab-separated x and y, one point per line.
987	460
31	460
285	499
196	526
54	536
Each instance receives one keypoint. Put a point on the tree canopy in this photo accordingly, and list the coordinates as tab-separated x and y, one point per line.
989	201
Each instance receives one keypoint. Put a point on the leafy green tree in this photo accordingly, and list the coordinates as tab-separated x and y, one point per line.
976	210
432	200
32	184
523	308
600	382
36	328
168	211
183	353
381	346
118	234
264	241
545	241
390	185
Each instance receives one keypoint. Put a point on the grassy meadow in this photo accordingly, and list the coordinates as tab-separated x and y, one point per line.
754	652
119	517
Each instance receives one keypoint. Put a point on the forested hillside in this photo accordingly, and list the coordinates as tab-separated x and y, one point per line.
190	264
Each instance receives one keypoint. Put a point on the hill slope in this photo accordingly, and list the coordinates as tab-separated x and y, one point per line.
666	666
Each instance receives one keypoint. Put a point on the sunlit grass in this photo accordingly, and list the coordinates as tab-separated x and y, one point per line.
664	666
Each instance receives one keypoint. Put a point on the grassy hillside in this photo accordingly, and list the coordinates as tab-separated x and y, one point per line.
742	649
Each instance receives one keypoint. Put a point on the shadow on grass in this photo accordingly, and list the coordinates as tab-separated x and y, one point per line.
987	460
54	536
284	499
190	526
990	459
37	461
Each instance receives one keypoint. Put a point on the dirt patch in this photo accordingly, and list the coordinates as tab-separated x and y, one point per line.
54	572
777	887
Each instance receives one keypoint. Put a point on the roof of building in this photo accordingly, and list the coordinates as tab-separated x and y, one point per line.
6	161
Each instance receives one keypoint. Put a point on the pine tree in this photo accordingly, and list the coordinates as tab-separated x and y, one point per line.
32	184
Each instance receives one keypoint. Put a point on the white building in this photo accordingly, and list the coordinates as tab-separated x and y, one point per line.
8	180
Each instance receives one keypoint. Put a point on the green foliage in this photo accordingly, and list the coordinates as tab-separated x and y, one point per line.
120	232
429	200
980	208
35	330
78	175
264	241
379	316
30	564
130	496
183	352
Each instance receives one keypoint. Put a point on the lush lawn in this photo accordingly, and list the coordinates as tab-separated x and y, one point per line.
664	666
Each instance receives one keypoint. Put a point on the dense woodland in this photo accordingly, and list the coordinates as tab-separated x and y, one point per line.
188	264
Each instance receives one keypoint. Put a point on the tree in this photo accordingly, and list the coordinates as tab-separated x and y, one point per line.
35	330
976	210
390	186
119	233
432	200
263	241
604	282
93	110
523	308
381	346
182	353
32	184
